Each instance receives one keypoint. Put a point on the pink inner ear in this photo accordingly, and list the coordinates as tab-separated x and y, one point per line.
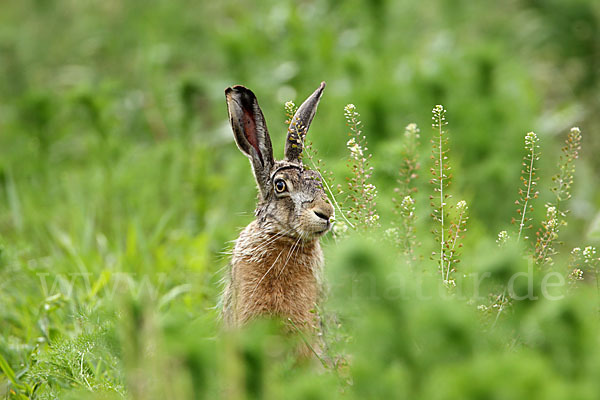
250	132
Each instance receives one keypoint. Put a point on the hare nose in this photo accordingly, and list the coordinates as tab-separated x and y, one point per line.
322	215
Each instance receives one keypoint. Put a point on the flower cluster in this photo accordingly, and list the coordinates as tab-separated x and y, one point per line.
576	275
589	254
351	114
361	192
409	166
502	238
439	116
583	262
290	110
356	152
407	207
566	166
547	235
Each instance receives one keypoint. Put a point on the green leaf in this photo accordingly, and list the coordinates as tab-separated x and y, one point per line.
8	371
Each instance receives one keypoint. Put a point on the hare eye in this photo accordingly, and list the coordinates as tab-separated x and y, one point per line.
280	186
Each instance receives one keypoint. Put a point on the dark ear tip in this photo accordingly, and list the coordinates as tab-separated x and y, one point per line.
239	89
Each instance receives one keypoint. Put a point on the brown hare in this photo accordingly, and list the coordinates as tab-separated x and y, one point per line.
277	260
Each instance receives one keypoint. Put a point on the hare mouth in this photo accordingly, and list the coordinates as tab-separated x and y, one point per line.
309	235
322	232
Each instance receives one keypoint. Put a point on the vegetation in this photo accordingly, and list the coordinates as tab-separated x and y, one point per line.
121	189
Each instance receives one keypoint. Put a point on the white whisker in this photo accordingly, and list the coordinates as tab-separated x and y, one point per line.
276	236
290	254
266	273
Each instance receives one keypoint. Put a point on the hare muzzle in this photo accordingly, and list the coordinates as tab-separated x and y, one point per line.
319	218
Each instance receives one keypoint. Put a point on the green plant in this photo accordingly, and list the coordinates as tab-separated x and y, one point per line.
361	193
450	232
584	263
529	182
408	172
556	212
403	232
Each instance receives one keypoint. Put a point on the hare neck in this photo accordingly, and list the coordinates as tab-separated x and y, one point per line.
276	252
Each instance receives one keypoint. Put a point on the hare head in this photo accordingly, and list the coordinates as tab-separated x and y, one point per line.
292	202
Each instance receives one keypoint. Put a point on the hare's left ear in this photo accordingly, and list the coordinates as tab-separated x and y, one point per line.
300	124
250	133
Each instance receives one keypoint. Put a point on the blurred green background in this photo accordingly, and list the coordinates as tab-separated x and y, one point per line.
121	189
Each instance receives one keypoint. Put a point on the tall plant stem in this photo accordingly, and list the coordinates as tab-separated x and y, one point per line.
529	184
440	149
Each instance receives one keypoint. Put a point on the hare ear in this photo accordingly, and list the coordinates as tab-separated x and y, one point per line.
250	132
300	124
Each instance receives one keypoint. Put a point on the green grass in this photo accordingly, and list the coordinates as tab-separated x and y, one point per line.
121	189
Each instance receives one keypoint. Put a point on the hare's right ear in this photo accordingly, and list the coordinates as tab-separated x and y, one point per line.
300	124
250	132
